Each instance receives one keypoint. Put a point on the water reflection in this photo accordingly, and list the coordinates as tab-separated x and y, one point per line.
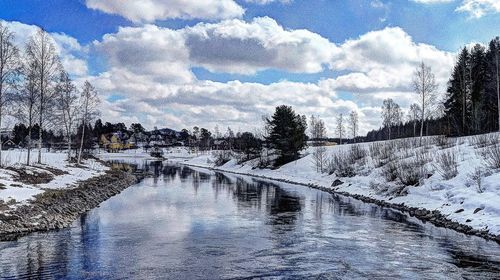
185	223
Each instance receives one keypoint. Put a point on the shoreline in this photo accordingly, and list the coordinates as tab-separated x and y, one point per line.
434	217
57	209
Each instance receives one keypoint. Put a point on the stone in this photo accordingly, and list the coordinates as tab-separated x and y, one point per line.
337	182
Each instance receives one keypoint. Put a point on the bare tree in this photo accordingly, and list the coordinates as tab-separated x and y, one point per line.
67	105
353	124
318	134
26	100
391	114
413	116
424	84
90	101
9	71
340	127
41	53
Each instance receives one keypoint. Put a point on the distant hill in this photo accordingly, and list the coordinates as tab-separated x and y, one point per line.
166	131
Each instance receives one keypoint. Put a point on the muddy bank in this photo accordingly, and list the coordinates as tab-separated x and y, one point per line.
56	209
434	217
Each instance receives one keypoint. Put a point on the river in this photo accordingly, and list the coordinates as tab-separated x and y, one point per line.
185	223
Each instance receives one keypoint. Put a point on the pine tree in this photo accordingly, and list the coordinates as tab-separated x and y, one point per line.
457	99
287	133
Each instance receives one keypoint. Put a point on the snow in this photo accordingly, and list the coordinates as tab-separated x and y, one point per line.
433	193
12	190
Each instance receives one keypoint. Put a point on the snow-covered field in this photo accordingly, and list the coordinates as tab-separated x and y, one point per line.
475	188
54	167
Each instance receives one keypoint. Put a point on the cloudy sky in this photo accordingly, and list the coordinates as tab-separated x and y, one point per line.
180	63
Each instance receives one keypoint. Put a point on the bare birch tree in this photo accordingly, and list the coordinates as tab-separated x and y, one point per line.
354	124
413	116
424	84
340	127
391	113
318	134
41	53
90	101
9	71
68	107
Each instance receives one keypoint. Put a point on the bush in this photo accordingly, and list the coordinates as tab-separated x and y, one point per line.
484	140
389	171
222	157
342	164
410	172
446	164
477	177
491	156
358	152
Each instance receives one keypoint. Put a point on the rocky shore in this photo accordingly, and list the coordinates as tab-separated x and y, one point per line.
56	209
434	217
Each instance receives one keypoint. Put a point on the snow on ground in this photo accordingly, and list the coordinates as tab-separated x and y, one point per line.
458	198
54	164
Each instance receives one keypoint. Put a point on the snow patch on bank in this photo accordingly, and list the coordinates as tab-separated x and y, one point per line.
12	191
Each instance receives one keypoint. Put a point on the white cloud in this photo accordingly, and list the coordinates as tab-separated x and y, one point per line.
158	53
150	67
236	46
386	59
73	55
152	10
231	46
479	8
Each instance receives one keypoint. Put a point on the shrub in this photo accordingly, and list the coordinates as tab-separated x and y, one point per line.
477	177
484	140
342	164
491	156
446	164
222	157
410	171
389	171
358	152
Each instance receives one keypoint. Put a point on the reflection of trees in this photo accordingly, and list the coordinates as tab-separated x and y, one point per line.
282	207
170	171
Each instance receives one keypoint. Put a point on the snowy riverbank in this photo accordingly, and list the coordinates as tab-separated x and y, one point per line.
20	183
53	194
468	202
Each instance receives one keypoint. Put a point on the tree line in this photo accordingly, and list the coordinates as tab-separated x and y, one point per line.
470	104
36	90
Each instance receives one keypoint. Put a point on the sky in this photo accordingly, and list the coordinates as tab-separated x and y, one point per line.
185	63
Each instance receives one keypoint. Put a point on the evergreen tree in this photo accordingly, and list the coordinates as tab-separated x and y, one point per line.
287	133
457	99
477	72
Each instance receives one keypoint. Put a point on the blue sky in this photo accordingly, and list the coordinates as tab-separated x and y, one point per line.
420	28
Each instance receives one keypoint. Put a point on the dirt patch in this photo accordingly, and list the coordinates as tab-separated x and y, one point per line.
33	177
55	171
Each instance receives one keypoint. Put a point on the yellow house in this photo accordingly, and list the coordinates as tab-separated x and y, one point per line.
112	142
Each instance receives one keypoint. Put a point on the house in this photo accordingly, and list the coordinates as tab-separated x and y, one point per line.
116	141
9	144
221	145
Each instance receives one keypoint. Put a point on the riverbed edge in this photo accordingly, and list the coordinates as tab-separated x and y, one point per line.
57	209
434	217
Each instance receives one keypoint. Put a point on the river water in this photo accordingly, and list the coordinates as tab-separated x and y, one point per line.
185	223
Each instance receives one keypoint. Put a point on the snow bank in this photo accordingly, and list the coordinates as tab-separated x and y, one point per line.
54	164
